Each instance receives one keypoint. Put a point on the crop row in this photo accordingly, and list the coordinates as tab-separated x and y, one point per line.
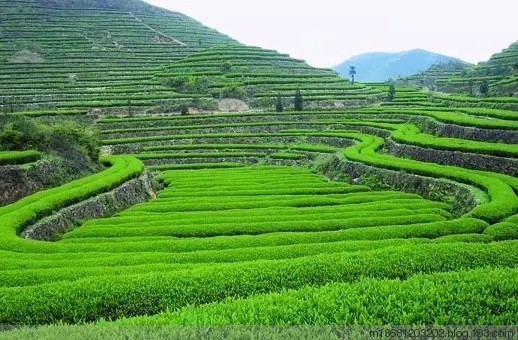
19	157
448	117
499	187
17	215
193	147
359	220
445	115
411	134
114	296
461	298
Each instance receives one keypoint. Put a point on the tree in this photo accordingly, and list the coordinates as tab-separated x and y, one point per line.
184	109
278	105
226	67
352	72
129	107
391	92
484	87
299	101
470	87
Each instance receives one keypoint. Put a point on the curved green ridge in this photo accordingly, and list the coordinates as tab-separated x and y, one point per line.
411	134
504	201
19	157
17	215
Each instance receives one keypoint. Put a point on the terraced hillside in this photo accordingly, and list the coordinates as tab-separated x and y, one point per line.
81	55
500	72
260	76
423	204
130	57
402	212
438	72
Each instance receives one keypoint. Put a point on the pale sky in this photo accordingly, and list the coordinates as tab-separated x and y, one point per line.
326	32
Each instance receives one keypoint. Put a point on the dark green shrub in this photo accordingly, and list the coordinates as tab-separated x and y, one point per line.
68	139
226	67
299	101
278	105
184	109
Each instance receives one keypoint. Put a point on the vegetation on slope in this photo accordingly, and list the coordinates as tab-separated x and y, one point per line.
423	208
86	54
50	154
497	76
260	77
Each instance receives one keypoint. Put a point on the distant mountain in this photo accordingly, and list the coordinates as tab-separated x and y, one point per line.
381	66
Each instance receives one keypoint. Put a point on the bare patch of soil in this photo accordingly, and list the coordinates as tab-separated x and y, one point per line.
26	56
232	105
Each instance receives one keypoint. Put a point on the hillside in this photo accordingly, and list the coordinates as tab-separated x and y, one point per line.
247	230
500	71
111	56
376	204
258	76
381	66
86	54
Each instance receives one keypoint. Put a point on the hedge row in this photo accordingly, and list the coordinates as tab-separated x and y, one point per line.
118	296
19	157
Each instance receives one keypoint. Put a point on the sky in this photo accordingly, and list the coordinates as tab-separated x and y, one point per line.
326	32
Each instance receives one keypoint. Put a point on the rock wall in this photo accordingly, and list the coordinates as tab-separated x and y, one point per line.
107	204
18	181
458	196
467	160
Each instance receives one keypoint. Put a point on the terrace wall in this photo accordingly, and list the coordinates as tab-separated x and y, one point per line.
132	192
459	197
18	181
508	166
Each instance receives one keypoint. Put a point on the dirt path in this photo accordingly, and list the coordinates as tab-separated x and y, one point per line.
163	35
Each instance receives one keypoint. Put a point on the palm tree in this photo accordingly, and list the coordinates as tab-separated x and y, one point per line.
352	72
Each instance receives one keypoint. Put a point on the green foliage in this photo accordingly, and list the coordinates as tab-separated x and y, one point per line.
226	67
411	134
189	84
463	298
19	214
499	187
352	73
279	107
19	157
66	138
150	293
391	92
484	88
503	231
222	229
299	101
234	91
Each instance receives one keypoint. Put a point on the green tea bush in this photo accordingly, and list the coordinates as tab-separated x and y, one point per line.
503	231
